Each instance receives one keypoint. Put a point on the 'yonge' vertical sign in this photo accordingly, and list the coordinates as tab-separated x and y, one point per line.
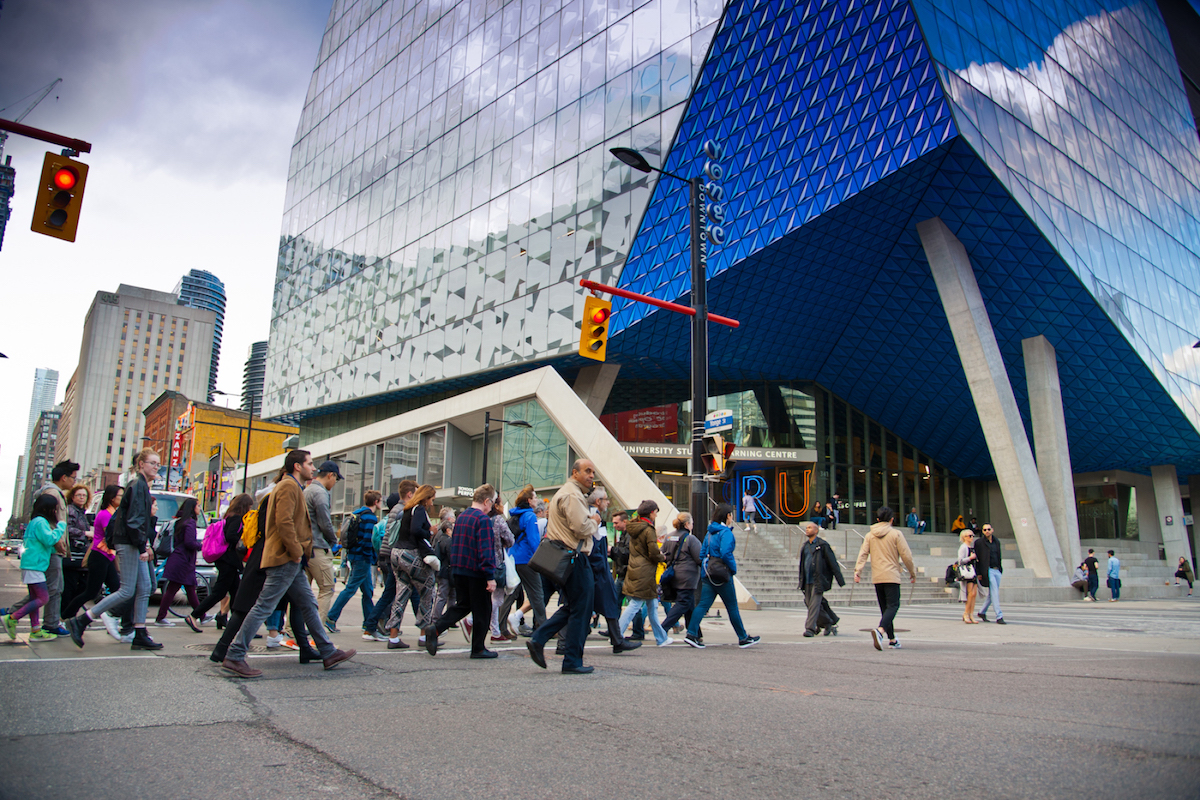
712	199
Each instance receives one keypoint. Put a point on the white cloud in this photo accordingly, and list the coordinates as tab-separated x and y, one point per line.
191	110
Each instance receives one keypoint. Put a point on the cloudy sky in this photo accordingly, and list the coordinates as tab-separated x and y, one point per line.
191	107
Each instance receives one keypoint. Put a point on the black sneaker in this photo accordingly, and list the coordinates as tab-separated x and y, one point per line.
1000	621
749	641
982	617
693	641
75	629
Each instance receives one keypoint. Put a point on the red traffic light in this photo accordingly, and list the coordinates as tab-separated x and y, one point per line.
65	178
600	316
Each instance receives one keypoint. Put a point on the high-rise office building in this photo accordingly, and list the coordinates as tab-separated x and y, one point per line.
253	376
45	387
18	501
452	181
201	289
136	344
8	178
40	459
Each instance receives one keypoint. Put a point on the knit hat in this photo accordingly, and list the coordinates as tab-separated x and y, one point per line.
392	500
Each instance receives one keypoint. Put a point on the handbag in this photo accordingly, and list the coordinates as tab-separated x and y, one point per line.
555	560
511	580
966	572
666	584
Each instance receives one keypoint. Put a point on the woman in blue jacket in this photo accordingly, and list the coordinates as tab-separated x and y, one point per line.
523	548
718	545
42	533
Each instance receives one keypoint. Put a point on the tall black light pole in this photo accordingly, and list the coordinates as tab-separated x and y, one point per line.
635	159
487	427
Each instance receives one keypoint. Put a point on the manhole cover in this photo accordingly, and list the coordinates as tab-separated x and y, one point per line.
254	648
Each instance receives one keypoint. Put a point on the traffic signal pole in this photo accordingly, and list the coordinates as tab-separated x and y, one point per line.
78	145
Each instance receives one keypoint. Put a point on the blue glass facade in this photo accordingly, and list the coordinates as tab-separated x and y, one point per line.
846	124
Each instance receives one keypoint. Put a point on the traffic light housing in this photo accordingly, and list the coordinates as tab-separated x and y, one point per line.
716	456
593	337
59	197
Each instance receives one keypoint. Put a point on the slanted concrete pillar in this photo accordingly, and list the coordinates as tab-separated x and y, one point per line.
1003	430
1050	442
594	383
1170	504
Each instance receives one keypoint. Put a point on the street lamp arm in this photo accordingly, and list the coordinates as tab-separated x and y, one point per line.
632	158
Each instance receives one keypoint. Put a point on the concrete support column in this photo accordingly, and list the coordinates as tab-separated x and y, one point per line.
1170	505
1007	443
594	383
1050	442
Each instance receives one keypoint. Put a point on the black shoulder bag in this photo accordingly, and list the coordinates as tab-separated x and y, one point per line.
555	560
666	584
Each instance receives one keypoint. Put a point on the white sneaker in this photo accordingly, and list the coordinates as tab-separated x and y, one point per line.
111	625
894	645
126	639
374	637
514	620
274	641
165	623
666	642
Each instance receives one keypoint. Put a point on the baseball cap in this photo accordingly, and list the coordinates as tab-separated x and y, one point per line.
330	466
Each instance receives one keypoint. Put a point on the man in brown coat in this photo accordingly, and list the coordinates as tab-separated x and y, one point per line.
288	542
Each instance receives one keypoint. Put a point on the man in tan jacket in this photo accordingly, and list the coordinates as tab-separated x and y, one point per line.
887	548
571	524
288	541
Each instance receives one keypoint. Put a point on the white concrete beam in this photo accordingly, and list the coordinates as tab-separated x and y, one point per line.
992	393
1170	504
594	383
1050	442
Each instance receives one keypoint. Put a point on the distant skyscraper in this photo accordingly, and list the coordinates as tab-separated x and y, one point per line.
40	459
45	387
18	501
252	378
200	289
136	344
7	183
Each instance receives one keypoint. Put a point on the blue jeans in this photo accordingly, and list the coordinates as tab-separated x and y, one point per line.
993	595
360	580
637	604
371	622
574	614
1114	586
290	580
708	595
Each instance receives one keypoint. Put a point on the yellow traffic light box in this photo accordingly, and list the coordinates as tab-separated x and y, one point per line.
593	338
59	197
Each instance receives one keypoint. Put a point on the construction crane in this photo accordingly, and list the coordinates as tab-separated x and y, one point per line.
8	175
41	95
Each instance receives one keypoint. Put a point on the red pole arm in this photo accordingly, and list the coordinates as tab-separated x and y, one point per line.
641	298
45	136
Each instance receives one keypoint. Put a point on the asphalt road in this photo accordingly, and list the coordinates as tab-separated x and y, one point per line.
1062	702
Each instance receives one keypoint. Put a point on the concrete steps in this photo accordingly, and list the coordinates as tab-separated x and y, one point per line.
768	561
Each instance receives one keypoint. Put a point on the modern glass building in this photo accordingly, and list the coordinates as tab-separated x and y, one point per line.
201	289
451	183
253	375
